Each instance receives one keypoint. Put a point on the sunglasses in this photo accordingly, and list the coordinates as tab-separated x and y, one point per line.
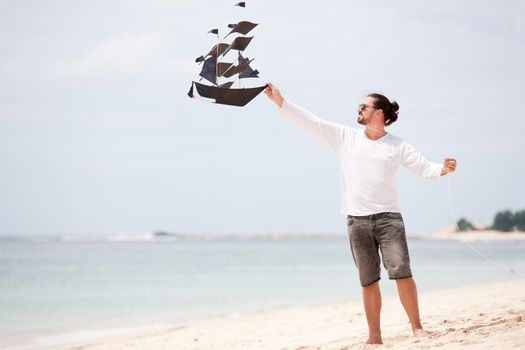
363	106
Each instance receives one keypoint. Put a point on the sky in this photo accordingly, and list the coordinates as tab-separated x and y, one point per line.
98	136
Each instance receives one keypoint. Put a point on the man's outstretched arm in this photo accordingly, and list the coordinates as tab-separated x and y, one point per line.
332	133
415	162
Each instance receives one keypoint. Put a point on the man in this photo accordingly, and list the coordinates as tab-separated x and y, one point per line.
368	161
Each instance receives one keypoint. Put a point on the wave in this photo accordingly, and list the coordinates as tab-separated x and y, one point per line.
61	339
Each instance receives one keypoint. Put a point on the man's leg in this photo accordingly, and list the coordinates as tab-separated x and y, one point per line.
372	302
407	290
366	257
394	249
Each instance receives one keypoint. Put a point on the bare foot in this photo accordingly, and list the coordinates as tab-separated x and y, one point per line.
420	333
374	340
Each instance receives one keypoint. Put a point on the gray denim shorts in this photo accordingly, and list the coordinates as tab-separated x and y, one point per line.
383	232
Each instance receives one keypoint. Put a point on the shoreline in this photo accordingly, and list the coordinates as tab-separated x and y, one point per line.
447	233
473	317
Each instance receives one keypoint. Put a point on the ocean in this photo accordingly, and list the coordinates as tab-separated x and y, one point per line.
55	290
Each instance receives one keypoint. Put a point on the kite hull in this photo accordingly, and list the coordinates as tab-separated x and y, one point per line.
226	96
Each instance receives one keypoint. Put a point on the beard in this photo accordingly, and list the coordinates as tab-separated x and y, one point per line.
361	120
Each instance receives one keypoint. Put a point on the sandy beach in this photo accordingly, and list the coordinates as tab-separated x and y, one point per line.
450	232
487	316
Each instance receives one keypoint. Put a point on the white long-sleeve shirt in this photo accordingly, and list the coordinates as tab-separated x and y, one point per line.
367	168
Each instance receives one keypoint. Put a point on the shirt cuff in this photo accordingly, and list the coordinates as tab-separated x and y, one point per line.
436	171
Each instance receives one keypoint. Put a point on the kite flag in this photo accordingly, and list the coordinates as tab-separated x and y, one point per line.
242	27
216	73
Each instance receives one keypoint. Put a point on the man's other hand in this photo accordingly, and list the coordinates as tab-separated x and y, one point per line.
449	166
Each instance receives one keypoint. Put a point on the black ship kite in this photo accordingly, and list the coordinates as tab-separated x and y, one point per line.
215	72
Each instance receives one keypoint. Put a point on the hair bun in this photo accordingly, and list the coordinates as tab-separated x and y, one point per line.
394	106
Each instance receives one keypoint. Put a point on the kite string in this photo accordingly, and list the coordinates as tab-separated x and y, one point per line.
217	60
510	269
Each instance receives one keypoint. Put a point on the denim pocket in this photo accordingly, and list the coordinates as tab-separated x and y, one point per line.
394	216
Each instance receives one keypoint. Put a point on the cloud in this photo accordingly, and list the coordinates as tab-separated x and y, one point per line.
122	53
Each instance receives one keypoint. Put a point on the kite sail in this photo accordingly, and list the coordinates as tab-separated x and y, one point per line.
216	72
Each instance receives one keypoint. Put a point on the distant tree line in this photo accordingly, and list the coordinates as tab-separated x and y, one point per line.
504	221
